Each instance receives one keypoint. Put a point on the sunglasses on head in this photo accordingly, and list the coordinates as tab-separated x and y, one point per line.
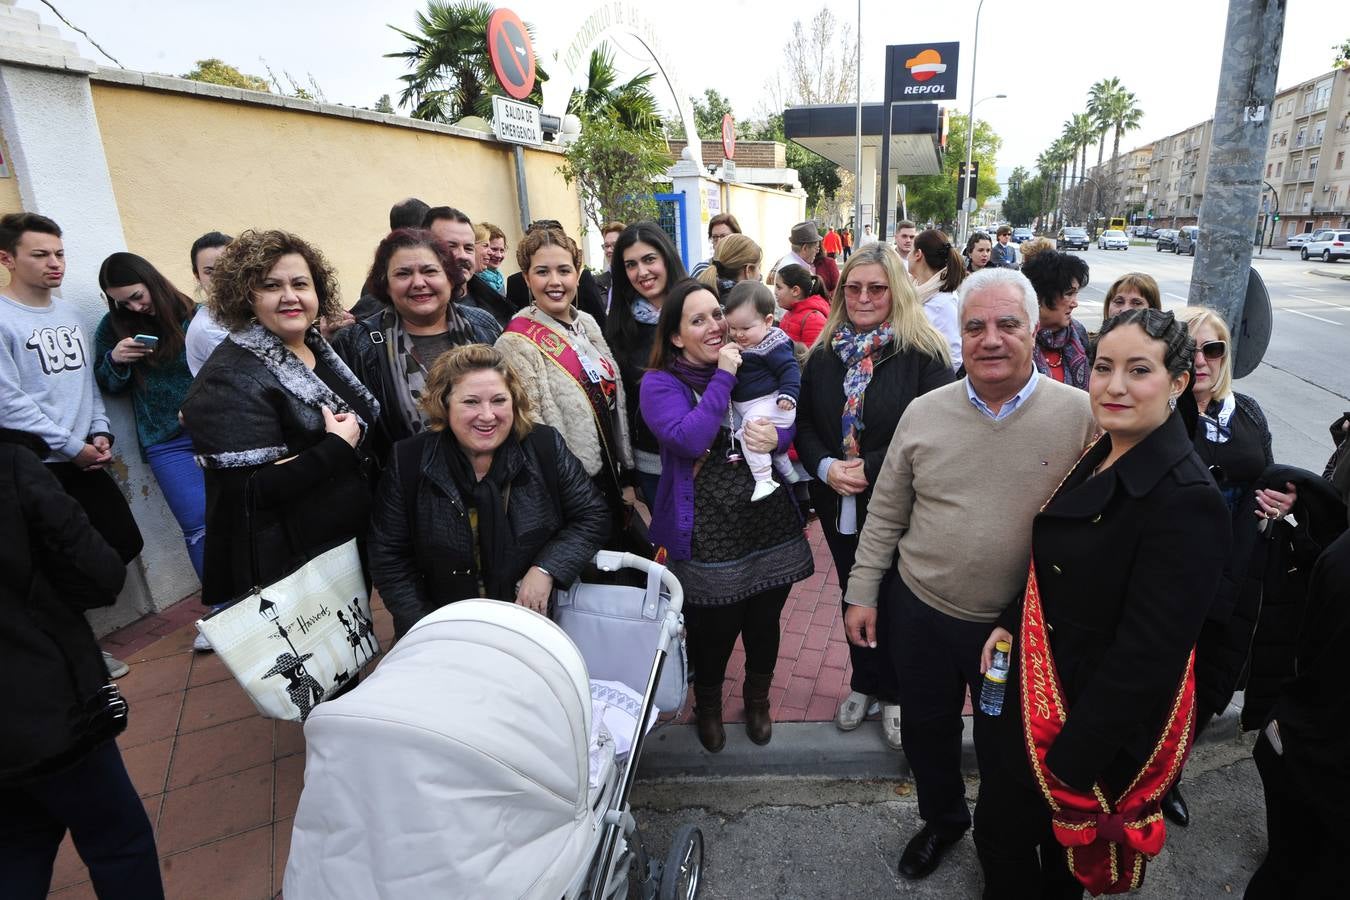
1214	349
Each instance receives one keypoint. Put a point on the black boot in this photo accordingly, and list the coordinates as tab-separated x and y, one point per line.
1174	806
758	724
708	717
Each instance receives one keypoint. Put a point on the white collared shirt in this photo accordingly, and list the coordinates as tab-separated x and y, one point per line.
1010	406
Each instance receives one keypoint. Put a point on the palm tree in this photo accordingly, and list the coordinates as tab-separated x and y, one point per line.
1126	115
451	76
631	104
1100	97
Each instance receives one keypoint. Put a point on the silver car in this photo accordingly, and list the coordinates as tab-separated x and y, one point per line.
1328	246
1113	240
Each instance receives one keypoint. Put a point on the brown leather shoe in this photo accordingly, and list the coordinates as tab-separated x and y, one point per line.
758	724
708	717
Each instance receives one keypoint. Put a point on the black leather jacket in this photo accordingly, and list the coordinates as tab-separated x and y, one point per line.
362	347
418	557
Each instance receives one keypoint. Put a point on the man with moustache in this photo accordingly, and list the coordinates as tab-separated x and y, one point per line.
970	466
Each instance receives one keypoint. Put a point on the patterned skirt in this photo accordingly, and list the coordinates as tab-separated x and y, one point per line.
739	548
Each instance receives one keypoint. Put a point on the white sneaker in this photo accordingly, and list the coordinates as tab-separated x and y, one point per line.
116	668
851	711
763	489
201	644
890	724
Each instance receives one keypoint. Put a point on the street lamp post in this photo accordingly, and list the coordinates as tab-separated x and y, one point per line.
964	217
857	173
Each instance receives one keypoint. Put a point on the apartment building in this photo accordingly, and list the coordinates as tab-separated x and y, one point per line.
1176	176
1307	180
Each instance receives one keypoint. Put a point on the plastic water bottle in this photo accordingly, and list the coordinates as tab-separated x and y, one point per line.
996	680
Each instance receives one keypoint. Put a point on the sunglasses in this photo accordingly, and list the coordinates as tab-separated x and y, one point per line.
853	291
1214	349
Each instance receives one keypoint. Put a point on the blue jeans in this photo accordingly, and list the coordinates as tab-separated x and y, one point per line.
184	490
96	801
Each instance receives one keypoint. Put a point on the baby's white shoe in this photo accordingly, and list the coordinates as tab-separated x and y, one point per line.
763	489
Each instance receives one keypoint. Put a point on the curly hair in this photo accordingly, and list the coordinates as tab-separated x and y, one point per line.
1053	272
246	263
538	238
453	366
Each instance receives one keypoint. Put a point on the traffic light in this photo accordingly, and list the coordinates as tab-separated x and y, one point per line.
966	187
1277	217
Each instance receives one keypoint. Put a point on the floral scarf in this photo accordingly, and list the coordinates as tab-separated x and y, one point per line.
644	312
856	352
1071	342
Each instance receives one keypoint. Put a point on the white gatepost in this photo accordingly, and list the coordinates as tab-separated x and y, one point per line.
687	178
48	120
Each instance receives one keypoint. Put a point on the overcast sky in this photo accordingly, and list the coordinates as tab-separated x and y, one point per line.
1043	54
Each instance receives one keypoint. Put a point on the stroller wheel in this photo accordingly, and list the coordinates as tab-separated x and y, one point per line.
684	865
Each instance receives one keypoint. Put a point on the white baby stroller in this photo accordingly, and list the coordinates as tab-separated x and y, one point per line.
470	764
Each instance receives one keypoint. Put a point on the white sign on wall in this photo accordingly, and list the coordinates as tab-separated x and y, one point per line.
516	123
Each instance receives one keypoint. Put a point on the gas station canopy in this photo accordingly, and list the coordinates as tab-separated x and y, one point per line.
831	131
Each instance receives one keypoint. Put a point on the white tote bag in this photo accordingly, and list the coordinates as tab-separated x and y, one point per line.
301	638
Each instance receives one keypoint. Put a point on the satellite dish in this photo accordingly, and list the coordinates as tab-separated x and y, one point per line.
1253	335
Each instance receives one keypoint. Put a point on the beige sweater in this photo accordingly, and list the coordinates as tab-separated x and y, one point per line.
555	396
957	494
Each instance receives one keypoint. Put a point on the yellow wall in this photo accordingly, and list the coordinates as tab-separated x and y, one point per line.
9	196
182	165
766	215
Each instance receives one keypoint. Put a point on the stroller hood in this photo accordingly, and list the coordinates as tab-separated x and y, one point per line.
457	769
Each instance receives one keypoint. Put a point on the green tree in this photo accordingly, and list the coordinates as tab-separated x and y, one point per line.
383	105
1100	97
630	103
1021	202
1342	59
1125	115
613	168
451	75
933	197
214	71
708	114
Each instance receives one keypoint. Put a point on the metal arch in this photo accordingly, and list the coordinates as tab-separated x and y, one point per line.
607	18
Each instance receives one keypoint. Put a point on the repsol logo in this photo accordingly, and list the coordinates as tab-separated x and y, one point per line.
925	89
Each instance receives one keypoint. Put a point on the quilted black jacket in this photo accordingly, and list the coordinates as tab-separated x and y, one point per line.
558	519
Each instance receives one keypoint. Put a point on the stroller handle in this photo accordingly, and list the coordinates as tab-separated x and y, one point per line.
613	561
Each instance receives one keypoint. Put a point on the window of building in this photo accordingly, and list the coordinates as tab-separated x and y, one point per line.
1302	137
1307	201
1269	167
1340	159
1318	130
1279	168
1333	197
1188	202
1322	97
1312	166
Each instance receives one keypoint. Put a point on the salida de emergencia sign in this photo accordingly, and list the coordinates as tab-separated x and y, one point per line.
516	123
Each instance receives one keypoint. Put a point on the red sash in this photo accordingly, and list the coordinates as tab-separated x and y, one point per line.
560	351
1107	841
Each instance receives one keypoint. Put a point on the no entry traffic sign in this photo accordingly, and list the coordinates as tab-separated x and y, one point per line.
511	53
729	136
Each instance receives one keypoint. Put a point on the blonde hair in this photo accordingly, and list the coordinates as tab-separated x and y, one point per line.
486	231
1030	248
908	321
734	253
1141	282
459	362
1197	317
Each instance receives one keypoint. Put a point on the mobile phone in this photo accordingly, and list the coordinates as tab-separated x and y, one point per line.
148	340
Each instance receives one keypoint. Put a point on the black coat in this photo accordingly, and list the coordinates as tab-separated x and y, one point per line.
590	299
247	410
362	346
1127	563
632	358
53	566
897	378
480	295
419	561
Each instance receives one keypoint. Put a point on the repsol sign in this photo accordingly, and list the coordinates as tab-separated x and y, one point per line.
922	71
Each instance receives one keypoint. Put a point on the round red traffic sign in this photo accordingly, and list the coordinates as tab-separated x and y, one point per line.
511	53
728	136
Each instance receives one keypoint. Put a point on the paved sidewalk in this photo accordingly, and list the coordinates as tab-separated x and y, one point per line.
221	783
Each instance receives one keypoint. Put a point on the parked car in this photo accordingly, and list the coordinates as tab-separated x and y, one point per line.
1113	240
1166	240
1328	245
1073	239
1146	232
1186	240
1298	241
1021	234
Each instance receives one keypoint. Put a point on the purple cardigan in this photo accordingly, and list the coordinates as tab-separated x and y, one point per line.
684	431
